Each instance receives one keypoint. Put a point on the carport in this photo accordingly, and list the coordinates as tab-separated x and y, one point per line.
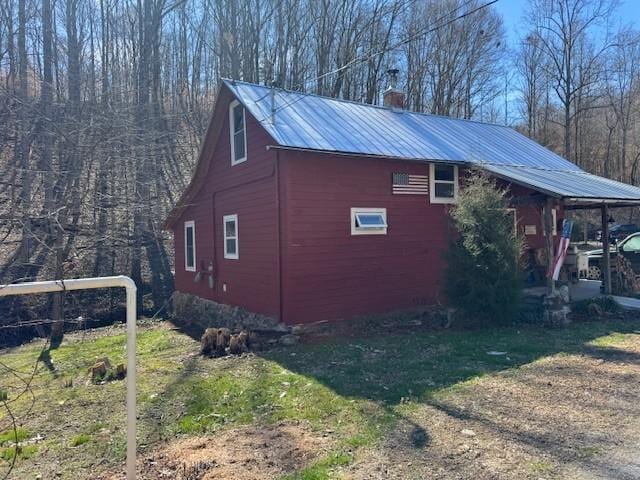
572	189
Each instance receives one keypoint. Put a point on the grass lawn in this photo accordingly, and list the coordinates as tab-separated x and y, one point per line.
550	404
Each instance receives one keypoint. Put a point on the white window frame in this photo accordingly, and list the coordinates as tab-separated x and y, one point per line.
190	224
226	219
232	133
432	185
355	230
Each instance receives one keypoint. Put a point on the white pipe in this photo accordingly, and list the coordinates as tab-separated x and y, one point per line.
86	284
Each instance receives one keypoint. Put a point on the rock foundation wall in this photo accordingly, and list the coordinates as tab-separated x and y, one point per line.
193	311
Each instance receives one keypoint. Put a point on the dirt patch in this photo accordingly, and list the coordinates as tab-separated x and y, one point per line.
248	453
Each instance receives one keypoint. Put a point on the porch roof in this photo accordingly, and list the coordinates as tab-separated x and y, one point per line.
573	187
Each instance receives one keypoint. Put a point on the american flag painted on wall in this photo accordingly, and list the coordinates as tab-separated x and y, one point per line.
409	184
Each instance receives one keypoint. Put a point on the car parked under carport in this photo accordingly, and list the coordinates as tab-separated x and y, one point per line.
629	248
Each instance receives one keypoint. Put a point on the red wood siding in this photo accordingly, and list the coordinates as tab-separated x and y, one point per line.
533	215
297	258
248	190
329	273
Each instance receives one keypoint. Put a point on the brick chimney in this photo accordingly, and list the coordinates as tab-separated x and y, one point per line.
392	97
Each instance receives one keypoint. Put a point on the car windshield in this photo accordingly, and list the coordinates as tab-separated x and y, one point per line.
632	244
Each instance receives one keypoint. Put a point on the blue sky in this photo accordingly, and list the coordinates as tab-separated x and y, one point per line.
628	13
512	11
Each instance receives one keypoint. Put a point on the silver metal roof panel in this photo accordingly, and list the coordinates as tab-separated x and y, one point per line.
326	124
572	185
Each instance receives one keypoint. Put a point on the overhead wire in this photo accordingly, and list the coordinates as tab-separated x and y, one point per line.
361	59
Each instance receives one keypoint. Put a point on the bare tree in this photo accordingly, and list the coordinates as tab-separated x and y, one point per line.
453	70
563	28
621	74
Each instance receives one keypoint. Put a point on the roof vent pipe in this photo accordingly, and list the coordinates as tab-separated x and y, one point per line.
392	97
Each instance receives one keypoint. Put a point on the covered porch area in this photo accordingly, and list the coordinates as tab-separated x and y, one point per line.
572	190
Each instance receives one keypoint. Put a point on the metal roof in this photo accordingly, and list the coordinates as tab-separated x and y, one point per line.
331	125
574	186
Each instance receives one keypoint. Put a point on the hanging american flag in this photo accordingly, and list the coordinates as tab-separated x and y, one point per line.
567	226
409	184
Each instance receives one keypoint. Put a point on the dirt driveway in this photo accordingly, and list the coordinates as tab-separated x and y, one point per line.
573	416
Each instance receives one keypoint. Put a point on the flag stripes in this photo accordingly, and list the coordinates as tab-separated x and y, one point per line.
561	254
409	184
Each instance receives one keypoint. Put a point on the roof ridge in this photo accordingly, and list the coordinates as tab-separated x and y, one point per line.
363	104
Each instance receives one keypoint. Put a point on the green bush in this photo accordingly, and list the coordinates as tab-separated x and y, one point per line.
483	276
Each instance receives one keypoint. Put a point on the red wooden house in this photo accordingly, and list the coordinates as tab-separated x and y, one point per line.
305	208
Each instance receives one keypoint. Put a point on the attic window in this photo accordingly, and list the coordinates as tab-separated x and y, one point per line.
368	221
238	131
443	183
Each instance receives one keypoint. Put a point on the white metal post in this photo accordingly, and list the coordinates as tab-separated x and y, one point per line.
92	283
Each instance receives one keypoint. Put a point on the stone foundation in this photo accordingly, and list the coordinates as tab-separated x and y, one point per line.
193	311
556	308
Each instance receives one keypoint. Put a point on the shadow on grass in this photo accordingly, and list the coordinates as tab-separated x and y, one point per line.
612	354
392	368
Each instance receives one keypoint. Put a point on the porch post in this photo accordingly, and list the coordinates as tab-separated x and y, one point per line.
606	253
548	237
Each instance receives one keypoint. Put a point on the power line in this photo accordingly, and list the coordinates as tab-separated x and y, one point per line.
364	58
401	8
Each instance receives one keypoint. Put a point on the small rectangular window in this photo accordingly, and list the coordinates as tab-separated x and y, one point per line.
237	129
190	246
231	236
368	221
444	183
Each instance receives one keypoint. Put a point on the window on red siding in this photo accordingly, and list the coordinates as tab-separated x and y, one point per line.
368	221
231	237
190	246
444	183
238	133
